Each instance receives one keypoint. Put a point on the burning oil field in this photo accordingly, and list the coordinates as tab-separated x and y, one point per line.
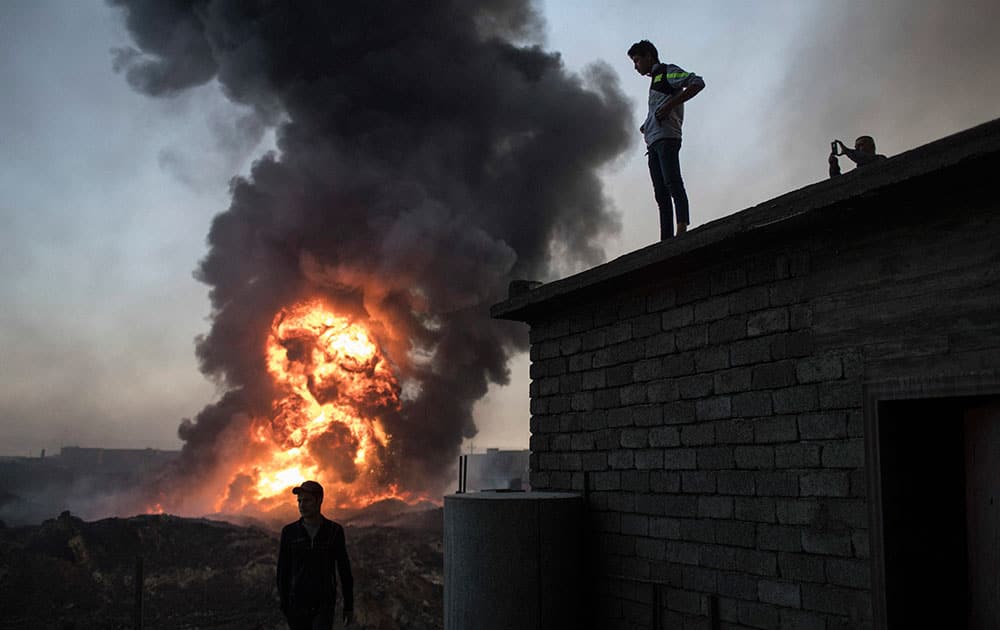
334	389
427	154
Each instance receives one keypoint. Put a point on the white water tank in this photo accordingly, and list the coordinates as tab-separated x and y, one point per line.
512	561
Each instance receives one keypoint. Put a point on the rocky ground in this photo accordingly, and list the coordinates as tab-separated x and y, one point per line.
198	573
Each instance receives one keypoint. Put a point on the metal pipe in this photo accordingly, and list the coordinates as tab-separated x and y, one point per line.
465	477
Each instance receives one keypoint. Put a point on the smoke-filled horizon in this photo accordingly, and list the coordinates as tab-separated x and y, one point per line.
110	193
428	153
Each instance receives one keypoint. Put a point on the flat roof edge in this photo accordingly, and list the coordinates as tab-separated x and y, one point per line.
973	143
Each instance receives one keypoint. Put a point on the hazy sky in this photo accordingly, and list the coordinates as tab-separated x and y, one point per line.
108	195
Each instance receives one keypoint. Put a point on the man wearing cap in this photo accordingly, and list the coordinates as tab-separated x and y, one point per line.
311	555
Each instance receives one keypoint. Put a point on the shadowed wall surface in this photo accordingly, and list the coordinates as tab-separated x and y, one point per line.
716	397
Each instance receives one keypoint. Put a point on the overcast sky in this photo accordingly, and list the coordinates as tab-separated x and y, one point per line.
108	195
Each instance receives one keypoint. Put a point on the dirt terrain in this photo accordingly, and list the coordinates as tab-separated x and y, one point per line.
199	573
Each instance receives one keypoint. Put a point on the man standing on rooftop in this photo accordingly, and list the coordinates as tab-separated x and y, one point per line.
670	88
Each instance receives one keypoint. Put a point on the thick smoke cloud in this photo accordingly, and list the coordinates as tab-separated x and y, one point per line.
427	155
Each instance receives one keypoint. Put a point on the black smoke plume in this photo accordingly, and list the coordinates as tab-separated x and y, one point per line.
429	152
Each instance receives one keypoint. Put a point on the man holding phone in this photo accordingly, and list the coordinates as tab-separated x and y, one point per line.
862	154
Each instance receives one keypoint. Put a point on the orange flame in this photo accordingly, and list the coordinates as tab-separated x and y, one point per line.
334	385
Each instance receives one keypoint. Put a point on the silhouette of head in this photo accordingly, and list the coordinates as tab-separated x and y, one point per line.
644	56
310	498
865	144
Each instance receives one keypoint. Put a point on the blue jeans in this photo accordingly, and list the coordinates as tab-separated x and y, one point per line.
668	187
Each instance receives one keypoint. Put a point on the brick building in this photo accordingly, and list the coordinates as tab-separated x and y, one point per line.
788	418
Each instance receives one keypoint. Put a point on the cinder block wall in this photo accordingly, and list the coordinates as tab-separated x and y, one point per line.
712	411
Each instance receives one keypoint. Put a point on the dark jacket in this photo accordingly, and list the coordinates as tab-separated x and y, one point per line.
308	569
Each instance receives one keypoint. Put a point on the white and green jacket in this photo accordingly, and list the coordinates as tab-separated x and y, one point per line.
666	80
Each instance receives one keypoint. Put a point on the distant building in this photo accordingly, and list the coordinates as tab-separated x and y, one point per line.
115	462
788	417
36	488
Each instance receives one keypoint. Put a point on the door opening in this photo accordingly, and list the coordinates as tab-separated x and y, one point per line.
939	464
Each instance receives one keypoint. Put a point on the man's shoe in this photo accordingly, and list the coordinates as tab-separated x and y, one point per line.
682	228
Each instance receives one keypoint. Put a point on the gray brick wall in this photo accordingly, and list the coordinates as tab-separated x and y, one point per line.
715	421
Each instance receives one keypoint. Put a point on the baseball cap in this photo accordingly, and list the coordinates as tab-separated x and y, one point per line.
309	487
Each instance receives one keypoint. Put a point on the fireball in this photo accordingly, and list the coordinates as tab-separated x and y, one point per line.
334	386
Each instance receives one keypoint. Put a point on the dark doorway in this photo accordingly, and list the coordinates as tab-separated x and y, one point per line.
939	461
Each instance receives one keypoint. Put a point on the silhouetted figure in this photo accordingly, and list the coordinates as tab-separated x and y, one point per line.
311	556
670	86
862	154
